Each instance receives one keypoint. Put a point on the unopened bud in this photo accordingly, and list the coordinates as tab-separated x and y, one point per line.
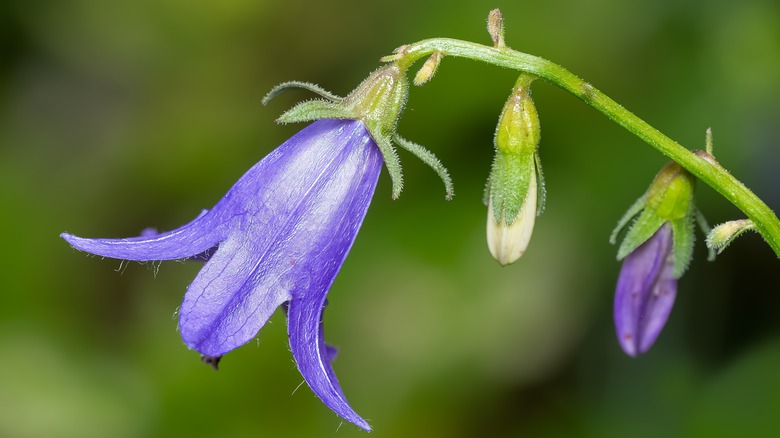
495	27
514	183
428	69
721	236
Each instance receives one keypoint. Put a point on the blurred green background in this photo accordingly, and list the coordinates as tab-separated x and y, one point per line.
120	115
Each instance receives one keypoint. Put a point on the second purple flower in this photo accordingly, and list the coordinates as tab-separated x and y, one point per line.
655	252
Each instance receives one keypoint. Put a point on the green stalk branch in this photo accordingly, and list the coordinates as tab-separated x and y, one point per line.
711	173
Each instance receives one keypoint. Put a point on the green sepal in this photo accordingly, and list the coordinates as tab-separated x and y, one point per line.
508	184
430	159
645	226
287	86
392	163
314	110
634	210
648	224
683	237
705	228
378	102
541	189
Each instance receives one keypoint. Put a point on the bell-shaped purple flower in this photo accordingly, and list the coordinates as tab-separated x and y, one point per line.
645	293
279	236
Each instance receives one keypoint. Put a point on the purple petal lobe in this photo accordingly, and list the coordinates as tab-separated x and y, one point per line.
192	239
330	352
313	358
230	299
645	293
331	231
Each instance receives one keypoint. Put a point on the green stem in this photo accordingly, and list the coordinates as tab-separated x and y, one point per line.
767	223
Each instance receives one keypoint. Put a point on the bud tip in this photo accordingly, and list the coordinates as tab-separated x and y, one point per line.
495	27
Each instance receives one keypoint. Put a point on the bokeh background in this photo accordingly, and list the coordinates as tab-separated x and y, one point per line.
120	115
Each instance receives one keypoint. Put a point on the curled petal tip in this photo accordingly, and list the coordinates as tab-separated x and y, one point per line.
192	239
313	357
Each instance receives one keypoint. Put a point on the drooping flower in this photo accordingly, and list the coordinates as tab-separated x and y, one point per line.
282	232
515	190
655	252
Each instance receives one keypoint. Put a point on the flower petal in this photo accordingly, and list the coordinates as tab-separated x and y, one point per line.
192	239
645	292
229	300
313	358
285	210
333	226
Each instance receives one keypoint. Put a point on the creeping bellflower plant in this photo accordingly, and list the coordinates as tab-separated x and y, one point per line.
281	233
655	252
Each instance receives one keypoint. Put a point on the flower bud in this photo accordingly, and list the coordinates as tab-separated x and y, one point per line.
722	235
514	183
428	69
655	253
495	26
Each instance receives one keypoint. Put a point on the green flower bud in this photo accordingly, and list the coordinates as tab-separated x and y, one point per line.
722	235
669	199
379	100
495	26
428	69
514	187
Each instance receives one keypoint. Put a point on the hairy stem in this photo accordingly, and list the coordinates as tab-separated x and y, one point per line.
767	223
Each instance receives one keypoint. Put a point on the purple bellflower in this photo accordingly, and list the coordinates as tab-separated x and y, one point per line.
655	252
281	233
